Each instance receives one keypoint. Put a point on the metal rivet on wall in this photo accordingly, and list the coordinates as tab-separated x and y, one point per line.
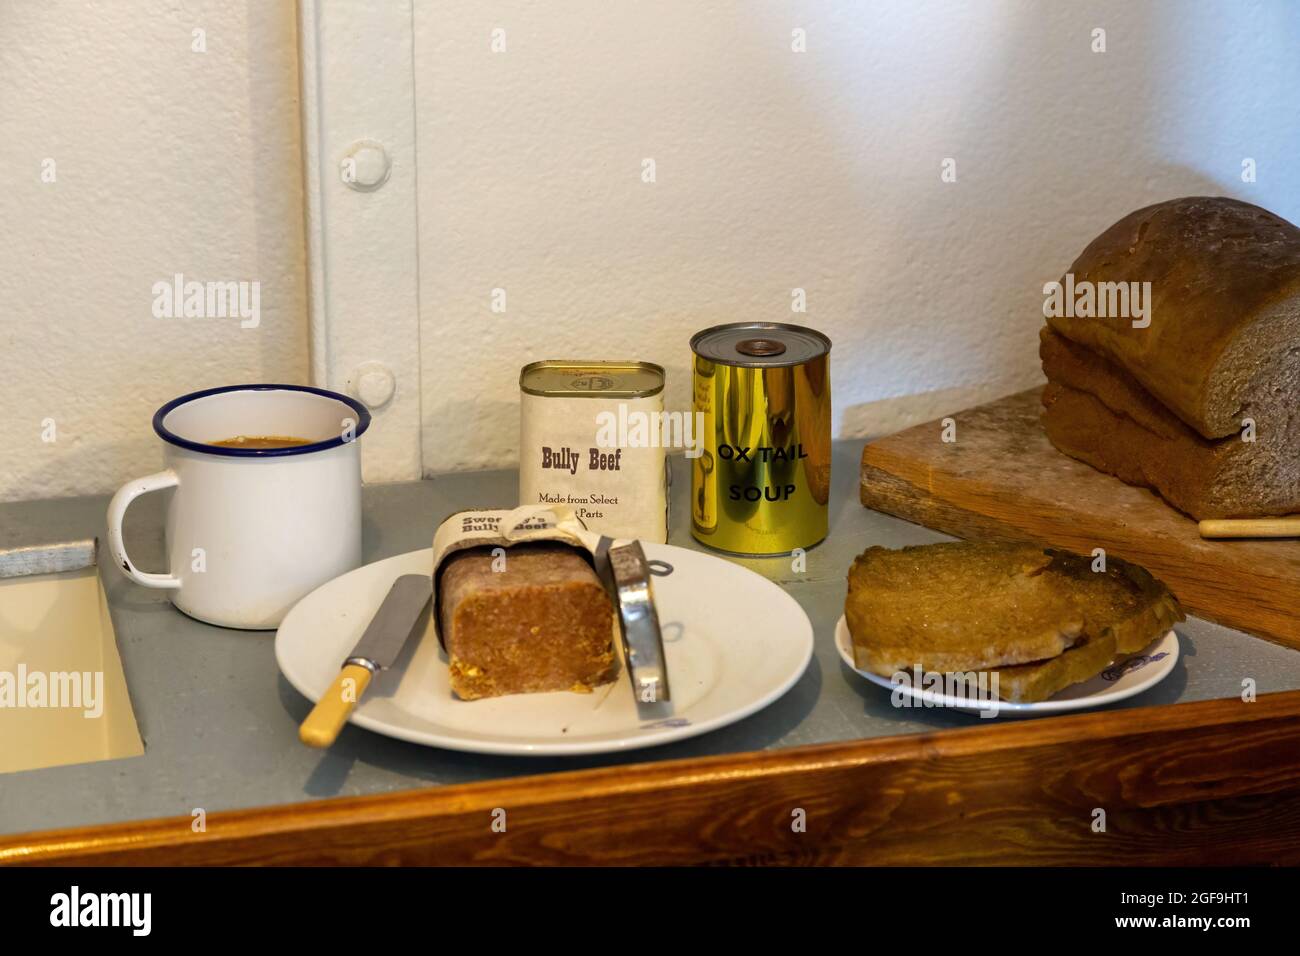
366	166
373	383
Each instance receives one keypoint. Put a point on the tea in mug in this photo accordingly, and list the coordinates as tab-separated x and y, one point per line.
261	441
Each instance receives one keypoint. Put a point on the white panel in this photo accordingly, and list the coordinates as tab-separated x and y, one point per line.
358	87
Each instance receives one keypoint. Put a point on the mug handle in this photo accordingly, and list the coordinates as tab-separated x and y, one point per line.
117	510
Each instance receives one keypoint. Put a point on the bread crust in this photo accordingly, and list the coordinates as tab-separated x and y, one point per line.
1070	364
1225	294
1155	613
1043	619
939	607
1096	412
1181	471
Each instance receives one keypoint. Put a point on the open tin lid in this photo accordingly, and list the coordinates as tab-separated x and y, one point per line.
643	646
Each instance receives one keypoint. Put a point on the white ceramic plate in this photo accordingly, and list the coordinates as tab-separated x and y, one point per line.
734	641
1145	670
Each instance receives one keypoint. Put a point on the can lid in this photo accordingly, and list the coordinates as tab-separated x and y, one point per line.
565	378
760	344
643	645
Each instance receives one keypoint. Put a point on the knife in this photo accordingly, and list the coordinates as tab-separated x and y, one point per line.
388	631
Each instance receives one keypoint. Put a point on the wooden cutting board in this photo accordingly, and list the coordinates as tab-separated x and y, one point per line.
1002	477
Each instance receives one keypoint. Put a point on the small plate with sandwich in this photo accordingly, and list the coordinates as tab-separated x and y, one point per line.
991	626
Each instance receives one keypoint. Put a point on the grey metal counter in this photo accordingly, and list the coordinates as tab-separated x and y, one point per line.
220	723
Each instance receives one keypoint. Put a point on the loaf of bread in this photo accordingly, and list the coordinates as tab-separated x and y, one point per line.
1203	404
542	622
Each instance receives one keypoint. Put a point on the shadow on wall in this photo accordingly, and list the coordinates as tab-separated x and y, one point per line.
887	416
274	206
1052	141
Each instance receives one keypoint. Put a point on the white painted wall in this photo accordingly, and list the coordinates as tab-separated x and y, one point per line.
775	170
818	170
166	160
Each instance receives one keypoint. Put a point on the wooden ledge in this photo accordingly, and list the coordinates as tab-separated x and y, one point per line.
1210	782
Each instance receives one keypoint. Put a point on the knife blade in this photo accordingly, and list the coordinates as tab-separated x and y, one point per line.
383	640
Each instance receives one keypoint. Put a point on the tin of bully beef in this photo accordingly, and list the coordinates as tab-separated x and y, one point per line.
762	483
589	439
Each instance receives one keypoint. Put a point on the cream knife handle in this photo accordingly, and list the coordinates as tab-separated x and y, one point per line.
1288	527
322	726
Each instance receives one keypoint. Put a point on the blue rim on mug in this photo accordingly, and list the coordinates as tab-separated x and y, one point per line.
167	435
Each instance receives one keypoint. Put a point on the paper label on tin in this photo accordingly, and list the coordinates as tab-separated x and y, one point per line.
476	529
574	454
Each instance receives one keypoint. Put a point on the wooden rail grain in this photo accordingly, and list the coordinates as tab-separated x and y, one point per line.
1210	782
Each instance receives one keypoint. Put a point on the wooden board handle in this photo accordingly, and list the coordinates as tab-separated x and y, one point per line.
322	726
1288	527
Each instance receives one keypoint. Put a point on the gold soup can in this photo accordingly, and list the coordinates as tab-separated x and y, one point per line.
762	481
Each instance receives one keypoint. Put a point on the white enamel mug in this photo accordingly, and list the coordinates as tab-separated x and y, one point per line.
250	531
